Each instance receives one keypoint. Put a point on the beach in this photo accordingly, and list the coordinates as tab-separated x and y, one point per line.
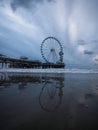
48	101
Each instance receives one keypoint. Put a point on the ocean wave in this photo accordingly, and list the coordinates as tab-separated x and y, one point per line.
81	71
51	70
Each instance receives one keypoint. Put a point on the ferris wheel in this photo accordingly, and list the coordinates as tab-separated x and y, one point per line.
52	50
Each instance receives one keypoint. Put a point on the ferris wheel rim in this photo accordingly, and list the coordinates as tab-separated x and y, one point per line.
60	48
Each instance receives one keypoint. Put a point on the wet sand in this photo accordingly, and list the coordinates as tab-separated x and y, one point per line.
48	101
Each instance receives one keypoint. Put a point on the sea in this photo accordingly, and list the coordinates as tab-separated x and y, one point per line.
49	101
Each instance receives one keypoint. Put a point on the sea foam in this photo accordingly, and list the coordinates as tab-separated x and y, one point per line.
51	70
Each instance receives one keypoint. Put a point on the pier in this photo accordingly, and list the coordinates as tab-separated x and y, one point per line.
7	62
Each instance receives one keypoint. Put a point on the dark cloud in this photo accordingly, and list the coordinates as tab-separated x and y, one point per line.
81	42
73	22
24	3
28	4
87	52
95	41
96	59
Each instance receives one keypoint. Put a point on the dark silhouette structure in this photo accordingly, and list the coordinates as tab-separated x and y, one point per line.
7	62
51	51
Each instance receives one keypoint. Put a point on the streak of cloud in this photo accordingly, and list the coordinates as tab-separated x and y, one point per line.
25	23
87	52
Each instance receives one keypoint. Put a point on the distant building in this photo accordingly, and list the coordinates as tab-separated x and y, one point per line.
23	58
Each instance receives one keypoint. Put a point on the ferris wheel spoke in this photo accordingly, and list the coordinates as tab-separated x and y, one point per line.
49	44
52	58
49	56
53	44
46	48
55	56
50	49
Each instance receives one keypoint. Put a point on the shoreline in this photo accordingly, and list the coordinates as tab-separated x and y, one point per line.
50	70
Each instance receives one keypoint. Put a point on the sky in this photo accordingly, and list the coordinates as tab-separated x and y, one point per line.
24	24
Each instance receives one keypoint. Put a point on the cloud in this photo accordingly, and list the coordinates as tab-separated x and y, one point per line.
87	52
95	41
28	4
95	59
24	24
81	42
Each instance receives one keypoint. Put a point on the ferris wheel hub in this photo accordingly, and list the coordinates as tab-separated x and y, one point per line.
52	50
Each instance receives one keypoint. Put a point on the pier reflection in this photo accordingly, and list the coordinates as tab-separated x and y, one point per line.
21	79
51	93
48	101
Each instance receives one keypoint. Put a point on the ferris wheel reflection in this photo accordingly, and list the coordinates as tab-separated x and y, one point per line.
51	94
